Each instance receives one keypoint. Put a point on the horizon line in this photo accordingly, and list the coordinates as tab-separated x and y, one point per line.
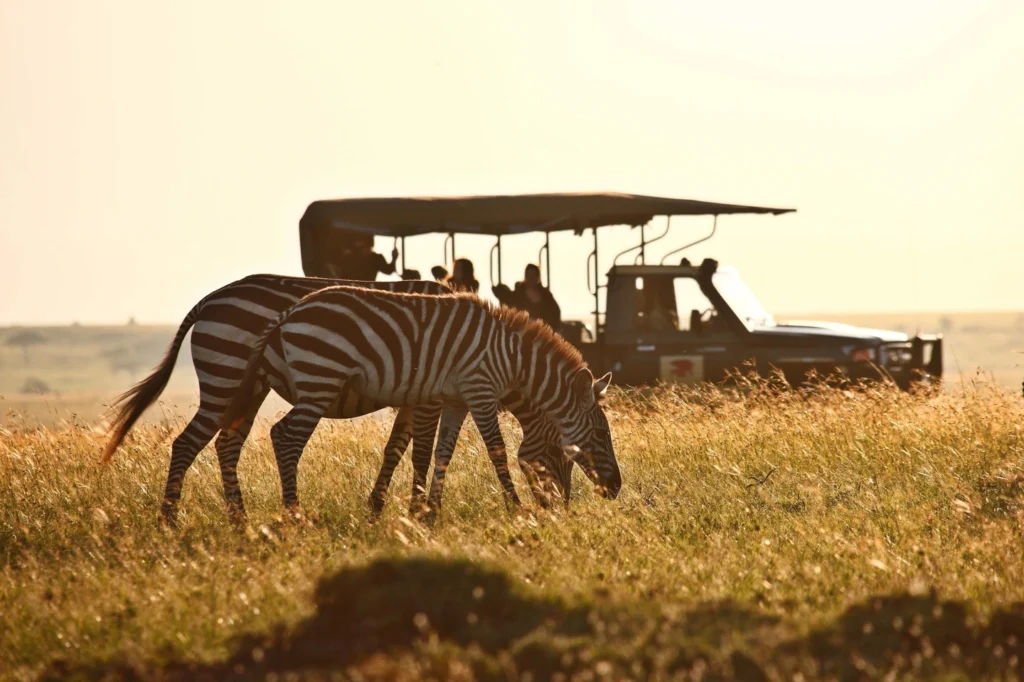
812	313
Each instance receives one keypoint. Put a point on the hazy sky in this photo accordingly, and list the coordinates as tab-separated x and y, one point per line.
153	151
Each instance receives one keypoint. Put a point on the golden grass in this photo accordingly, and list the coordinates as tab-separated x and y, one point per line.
772	517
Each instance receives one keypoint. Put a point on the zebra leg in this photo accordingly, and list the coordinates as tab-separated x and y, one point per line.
532	464
278	440
537	478
452	418
485	414
289	437
555	473
425	419
186	447
398	443
229	449
541	471
562	467
546	467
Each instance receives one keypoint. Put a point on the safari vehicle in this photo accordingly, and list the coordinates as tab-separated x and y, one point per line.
676	322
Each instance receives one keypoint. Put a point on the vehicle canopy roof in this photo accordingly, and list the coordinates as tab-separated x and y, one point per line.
504	215
658	270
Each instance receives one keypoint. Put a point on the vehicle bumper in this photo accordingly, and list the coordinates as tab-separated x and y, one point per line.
915	362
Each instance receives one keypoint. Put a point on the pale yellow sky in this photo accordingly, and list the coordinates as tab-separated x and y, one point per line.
152	152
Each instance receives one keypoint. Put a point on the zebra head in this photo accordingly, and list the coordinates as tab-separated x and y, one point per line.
551	465
590	443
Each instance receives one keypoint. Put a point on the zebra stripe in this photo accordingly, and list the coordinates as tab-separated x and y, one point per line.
547	470
225	325
352	338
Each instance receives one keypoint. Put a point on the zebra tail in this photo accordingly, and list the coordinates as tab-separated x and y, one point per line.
237	410
130	405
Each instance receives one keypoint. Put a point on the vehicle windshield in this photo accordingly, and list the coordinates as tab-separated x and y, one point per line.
741	299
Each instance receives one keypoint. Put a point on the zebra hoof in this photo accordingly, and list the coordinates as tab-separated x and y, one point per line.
427	514
237	516
376	503
238	519
293	515
522	514
419	507
169	515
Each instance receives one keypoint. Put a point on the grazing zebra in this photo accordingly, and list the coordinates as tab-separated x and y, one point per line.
409	349
540	455
226	323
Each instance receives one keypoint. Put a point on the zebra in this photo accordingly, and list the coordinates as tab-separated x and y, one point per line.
226	324
546	468
414	349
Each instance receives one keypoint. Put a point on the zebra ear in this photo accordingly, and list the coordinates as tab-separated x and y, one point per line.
583	385
601	385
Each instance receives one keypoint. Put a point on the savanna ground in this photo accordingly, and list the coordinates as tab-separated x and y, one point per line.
842	535
50	374
846	535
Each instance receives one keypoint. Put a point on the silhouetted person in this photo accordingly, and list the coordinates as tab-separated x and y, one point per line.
439	273
658	316
462	277
531	296
360	262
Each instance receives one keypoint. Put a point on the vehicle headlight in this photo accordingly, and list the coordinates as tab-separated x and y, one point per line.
898	355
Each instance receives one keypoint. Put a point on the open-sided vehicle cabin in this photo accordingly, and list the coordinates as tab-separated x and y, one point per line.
675	322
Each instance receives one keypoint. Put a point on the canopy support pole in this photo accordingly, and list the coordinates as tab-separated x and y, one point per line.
490	261
714	227
452	235
641	248
547	257
643	245
403	255
545	254
597	291
668	226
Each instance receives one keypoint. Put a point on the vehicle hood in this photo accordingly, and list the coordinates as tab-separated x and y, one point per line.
829	329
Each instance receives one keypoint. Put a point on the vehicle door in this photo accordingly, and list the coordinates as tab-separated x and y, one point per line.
688	337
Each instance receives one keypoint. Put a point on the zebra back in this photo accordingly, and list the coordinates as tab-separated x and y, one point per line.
237	409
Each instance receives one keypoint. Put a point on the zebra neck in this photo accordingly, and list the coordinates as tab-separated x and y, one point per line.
543	375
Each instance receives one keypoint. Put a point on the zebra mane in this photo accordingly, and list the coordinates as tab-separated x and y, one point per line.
532	329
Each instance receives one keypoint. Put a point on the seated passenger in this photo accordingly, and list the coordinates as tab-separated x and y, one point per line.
531	296
462	277
662	319
358	261
658	315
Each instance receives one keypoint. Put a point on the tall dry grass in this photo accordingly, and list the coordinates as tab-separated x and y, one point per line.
792	507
